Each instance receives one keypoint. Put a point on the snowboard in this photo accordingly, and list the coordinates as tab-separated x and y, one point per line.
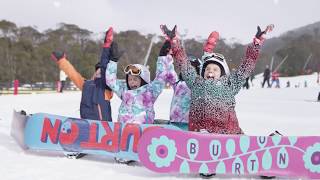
171	151
42	131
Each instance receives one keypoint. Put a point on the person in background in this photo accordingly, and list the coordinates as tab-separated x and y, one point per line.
275	78
63	78
266	76
246	83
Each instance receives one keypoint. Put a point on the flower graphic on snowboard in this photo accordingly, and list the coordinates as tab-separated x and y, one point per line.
311	158
162	151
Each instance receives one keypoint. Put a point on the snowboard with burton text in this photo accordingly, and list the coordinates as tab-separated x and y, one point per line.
42	131
171	151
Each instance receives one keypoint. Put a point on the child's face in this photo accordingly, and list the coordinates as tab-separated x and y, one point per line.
212	71
134	82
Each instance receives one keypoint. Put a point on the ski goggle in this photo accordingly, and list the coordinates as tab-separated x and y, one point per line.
133	70
216	56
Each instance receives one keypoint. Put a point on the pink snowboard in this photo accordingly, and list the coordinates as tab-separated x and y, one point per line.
165	150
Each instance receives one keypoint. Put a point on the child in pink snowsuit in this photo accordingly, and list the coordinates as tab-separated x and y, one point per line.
213	92
180	104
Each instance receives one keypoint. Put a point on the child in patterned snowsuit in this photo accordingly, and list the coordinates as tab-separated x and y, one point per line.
180	104
213	92
138	93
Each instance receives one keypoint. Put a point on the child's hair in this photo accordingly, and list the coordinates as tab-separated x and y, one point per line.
97	66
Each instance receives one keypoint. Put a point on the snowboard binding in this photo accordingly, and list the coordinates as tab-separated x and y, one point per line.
75	155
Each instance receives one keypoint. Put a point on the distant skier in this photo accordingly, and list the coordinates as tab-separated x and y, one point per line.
288	84
266	76
275	78
63	78
246	83
251	79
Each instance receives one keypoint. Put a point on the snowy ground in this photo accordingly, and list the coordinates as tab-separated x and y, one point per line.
292	111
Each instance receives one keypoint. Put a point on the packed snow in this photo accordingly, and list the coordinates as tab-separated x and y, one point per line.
292	111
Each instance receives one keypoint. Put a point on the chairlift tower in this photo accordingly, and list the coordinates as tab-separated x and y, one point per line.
307	61
271	63
283	60
149	50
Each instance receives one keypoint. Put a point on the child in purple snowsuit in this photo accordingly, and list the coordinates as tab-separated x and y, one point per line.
138	93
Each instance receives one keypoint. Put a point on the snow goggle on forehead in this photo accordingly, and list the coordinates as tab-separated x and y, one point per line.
133	70
216	56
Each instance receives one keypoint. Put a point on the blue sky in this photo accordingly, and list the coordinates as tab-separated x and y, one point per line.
231	18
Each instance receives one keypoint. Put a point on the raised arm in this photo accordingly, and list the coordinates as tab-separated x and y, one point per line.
111	79
105	56
248	63
61	60
188	72
109	58
165	60
164	74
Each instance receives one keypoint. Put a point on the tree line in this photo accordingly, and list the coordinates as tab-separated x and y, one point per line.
25	52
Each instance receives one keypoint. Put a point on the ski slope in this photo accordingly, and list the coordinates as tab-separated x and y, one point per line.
292	111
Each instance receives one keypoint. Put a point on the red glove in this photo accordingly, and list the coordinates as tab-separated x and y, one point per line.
211	42
108	38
